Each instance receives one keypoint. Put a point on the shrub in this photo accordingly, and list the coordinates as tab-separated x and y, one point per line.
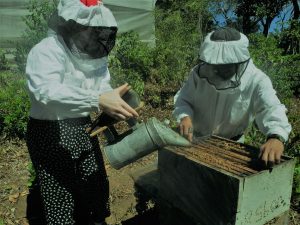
282	69
297	178
131	61
3	61
176	47
14	105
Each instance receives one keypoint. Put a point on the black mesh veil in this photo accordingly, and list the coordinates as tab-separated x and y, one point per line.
96	42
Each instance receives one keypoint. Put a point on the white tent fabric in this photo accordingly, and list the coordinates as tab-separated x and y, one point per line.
136	4
135	15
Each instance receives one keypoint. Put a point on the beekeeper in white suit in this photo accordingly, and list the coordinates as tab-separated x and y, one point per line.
67	79
226	92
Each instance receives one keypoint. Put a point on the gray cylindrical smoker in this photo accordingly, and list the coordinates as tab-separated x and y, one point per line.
141	139
145	138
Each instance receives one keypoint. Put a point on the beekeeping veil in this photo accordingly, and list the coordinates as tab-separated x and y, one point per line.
87	27
225	56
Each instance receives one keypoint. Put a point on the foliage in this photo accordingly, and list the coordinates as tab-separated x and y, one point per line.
131	61
289	37
36	22
282	69
297	178
222	13
32	175
253	16
179	34
175	50
3	61
253	136
255	11
14	105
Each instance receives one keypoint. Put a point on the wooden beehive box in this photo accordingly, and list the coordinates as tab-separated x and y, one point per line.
219	182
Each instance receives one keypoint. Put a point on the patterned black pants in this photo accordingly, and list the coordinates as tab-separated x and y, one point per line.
70	170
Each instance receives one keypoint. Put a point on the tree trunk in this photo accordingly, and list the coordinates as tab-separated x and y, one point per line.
267	26
296	10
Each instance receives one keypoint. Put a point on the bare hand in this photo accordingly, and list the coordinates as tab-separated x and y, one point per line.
271	152
186	128
112	104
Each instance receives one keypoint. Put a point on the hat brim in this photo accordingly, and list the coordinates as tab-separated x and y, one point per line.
95	16
224	52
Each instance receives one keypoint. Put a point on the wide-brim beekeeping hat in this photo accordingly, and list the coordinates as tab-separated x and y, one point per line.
225	46
94	15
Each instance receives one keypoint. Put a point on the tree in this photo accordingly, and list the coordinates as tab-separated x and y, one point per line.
254	12
223	13
289	37
296	9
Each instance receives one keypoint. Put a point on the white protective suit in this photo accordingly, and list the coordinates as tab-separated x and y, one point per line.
229	113
57	88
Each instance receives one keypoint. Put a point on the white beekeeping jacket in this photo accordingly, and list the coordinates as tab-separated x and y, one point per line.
57	89
228	114
61	85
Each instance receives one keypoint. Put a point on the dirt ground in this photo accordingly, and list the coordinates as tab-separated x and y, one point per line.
14	161
14	190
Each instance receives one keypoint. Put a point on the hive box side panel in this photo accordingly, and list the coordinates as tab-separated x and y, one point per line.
208	196
266	195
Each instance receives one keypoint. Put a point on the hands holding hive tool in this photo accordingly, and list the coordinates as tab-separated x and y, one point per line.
112	104
120	104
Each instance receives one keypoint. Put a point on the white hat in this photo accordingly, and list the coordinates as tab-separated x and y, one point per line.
94	16
225	51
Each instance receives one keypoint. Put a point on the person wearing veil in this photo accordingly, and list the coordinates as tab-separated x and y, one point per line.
67	79
226	92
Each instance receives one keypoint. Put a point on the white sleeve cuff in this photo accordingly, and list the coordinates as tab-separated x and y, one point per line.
95	101
280	132
181	112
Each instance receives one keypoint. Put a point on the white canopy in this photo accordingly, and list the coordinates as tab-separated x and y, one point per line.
136	15
136	4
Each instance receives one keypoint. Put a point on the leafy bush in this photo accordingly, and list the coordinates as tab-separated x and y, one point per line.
282	69
297	178
131	61
177	46
3	61
32	175
14	105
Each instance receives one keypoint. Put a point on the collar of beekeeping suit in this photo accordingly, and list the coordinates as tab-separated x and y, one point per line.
87	13
225	46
